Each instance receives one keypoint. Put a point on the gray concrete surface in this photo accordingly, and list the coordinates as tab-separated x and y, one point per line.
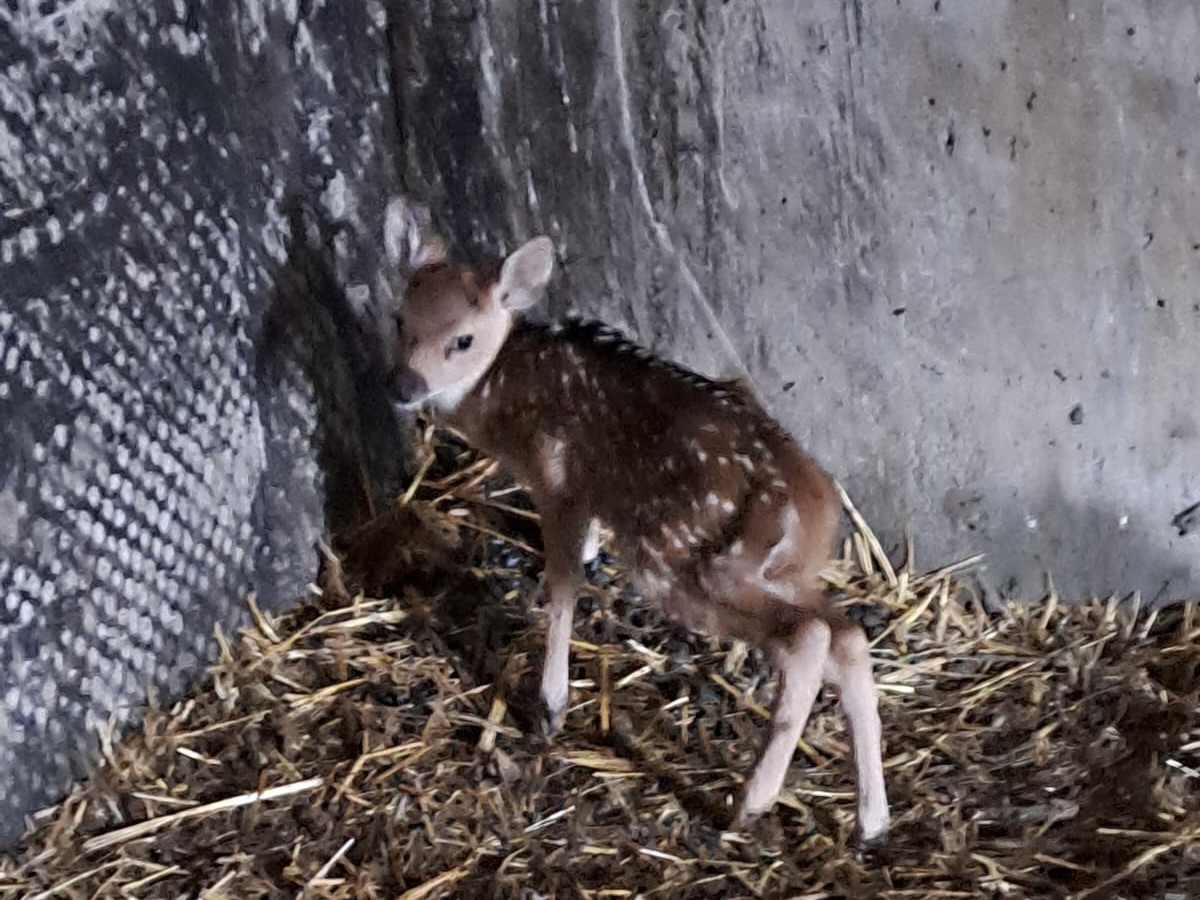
187	215
954	244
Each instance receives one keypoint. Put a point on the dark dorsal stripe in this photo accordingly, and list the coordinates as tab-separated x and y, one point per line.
609	341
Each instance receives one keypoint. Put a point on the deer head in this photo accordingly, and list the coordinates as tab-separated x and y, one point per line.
452	318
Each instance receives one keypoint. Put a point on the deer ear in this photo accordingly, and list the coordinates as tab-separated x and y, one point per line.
408	240
525	274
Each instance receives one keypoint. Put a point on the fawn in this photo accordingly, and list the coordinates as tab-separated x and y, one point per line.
713	506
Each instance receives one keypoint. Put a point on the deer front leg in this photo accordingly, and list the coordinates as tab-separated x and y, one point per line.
563	542
560	611
801	661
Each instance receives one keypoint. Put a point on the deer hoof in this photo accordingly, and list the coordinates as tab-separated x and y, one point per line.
552	722
862	841
745	819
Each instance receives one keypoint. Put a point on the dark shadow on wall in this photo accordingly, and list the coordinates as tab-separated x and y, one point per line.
1136	553
310	326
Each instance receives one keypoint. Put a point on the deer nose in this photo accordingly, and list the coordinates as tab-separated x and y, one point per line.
406	385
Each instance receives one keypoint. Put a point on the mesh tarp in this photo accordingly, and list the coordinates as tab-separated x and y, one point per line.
182	189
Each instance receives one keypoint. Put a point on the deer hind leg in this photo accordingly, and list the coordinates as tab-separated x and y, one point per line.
738	603
849	667
801	658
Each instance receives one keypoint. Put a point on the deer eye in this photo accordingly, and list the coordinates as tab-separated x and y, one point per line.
463	342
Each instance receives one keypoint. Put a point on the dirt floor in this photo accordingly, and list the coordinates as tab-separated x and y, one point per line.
389	748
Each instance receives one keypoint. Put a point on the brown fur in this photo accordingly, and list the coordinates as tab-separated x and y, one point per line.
718	513
642	449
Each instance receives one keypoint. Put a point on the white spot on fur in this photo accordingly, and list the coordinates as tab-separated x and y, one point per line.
554	465
728	506
787	543
591	543
712	499
779	591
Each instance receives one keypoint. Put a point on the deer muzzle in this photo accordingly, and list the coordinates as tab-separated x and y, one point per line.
407	387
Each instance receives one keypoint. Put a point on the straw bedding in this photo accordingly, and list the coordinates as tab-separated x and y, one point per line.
389	748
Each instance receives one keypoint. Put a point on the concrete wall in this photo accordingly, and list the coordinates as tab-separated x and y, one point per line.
955	244
187	219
